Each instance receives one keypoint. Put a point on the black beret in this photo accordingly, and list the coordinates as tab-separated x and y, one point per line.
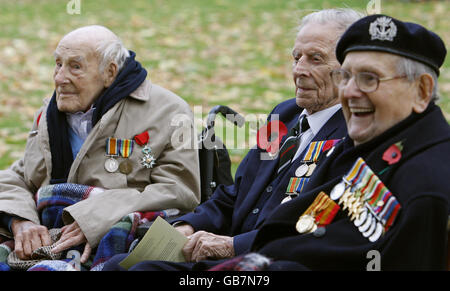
386	34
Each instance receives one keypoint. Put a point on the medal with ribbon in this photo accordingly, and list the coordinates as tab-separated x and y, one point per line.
112	151
305	170
295	187
312	155
370	204
148	160
118	147
125	149
319	214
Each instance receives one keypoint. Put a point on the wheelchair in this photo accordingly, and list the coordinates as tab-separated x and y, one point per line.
215	162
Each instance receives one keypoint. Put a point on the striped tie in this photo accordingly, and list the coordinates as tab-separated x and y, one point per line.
290	145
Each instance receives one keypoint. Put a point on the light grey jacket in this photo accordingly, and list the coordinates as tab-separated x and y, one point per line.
173	182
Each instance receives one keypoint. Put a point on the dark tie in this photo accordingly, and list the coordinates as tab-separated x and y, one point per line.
290	145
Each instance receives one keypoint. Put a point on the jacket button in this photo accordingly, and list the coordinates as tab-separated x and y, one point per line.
269	188
255	211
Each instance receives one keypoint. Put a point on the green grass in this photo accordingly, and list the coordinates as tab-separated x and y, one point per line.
232	52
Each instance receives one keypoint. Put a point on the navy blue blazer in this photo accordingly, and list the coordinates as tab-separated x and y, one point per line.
240	209
419	181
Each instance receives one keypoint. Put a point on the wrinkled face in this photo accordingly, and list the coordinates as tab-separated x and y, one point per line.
370	114
314	59
78	81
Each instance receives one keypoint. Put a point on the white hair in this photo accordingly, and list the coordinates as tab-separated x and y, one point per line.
342	17
112	51
413	69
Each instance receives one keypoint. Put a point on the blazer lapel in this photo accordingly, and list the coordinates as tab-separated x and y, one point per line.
268	168
264	175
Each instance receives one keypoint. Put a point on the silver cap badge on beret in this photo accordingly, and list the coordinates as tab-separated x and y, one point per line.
383	28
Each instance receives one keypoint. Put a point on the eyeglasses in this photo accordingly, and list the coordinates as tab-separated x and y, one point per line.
365	81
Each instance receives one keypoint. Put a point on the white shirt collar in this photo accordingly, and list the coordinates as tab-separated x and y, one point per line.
319	118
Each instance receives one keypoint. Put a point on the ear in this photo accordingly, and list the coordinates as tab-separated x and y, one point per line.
110	74
425	91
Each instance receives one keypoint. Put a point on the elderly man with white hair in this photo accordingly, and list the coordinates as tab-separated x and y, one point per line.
106	126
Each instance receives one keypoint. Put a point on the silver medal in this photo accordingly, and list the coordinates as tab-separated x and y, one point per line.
302	170
371	229
111	165
361	218
366	225
337	191
377	234
286	199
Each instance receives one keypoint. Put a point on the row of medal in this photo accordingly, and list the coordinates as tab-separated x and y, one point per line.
306	169
370	205
116	147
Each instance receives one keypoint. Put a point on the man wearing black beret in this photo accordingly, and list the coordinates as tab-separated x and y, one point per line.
383	190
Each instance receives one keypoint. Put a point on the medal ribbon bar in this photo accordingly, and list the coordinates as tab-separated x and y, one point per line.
112	147
126	147
377	198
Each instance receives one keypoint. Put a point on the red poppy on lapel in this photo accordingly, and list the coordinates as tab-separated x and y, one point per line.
393	154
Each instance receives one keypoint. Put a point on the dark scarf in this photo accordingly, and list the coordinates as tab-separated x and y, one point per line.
128	80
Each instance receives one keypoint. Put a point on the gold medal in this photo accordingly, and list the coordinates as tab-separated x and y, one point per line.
305	223
126	167
311	169
320	213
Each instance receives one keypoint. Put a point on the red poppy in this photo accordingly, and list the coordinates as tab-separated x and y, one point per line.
393	154
270	135
329	144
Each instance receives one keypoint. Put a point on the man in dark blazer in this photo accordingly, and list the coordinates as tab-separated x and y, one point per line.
226	224
388	87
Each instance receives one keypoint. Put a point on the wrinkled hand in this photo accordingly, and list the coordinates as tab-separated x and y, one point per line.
204	245
28	236
72	235
185	229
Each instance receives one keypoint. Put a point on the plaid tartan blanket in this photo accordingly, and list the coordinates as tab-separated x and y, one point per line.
246	262
50	202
